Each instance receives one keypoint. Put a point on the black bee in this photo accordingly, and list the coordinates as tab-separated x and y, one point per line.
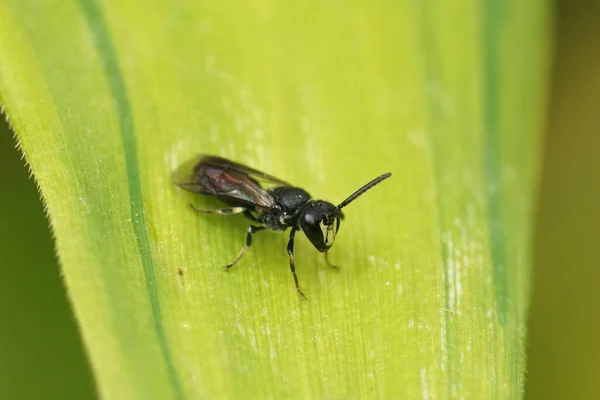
266	200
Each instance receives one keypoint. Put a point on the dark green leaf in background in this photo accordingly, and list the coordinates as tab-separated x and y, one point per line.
41	355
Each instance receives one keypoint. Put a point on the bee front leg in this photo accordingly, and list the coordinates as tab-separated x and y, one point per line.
330	264
251	230
290	250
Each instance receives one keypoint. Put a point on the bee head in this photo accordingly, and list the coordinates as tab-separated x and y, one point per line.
320	221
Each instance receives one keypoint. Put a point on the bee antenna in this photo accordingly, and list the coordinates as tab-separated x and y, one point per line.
362	190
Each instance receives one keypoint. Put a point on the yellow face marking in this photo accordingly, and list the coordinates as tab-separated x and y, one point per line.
328	232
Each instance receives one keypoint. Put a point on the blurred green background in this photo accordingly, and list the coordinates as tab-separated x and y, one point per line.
564	329
41	355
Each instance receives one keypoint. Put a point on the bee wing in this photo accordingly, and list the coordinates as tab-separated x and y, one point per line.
253	173
227	180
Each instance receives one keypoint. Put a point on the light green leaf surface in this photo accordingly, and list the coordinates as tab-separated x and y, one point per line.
107	98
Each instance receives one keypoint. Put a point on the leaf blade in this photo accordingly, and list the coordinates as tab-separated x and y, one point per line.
305	107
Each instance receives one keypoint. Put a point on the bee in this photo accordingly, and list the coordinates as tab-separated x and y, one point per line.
269	202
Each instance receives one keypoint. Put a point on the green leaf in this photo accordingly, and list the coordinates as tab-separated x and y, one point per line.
108	98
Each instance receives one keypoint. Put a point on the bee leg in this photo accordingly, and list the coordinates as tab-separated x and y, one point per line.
330	264
290	250
222	211
251	229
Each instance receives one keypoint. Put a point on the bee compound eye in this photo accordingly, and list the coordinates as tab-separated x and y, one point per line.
309	219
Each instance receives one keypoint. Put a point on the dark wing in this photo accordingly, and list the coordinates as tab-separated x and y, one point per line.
226	180
253	173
